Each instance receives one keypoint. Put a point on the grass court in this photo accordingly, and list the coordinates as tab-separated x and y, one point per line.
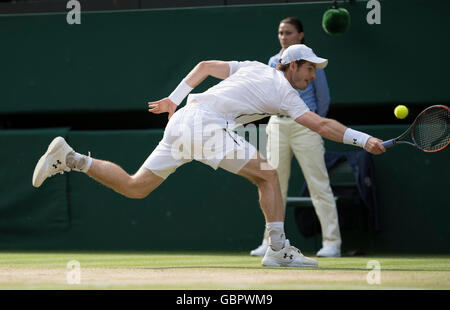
217	271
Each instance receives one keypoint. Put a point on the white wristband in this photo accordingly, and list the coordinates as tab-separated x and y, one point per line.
182	90
355	137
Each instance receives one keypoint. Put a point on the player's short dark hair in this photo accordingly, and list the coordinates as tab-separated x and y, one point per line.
283	68
297	23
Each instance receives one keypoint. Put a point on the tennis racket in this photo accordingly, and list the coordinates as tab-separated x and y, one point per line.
429	132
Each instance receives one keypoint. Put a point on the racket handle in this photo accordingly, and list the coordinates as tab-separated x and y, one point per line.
389	143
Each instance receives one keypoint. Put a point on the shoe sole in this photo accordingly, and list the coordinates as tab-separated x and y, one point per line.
52	148
257	254
331	256
272	263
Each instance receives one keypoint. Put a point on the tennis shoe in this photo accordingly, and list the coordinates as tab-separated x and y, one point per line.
289	256
329	251
259	251
52	162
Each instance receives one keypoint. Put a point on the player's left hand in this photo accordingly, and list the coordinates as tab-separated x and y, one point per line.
374	146
162	106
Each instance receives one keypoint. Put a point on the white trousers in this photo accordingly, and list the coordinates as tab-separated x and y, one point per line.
287	138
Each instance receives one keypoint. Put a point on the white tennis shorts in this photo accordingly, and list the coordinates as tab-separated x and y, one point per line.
196	134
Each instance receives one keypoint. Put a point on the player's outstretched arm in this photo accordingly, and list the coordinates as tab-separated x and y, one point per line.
216	68
335	131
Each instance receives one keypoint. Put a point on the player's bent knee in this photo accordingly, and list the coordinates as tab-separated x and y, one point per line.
259	172
267	177
270	174
267	166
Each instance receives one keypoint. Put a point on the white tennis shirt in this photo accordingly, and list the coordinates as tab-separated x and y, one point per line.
251	92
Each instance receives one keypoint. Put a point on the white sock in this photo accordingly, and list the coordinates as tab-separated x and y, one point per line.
266	237
276	235
78	162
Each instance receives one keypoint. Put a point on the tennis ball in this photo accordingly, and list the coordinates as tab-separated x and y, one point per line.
335	21
401	111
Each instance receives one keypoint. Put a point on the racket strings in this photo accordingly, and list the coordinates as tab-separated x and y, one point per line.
431	132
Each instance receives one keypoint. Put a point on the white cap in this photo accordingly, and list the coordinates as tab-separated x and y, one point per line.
300	51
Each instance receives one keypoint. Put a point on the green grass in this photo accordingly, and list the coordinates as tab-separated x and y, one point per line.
195	270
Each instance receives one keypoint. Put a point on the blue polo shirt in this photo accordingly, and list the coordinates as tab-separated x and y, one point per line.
316	95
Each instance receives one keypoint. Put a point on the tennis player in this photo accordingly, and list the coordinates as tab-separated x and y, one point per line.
202	130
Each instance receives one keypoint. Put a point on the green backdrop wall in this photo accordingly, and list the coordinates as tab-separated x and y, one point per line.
197	207
119	60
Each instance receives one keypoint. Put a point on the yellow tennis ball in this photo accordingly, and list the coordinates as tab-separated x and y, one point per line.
401	111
